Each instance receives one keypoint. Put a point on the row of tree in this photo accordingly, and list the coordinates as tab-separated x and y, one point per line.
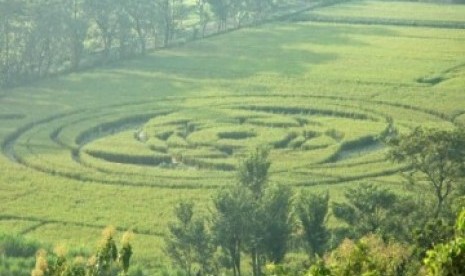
264	222
41	37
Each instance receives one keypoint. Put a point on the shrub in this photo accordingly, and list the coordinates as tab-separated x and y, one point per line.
17	246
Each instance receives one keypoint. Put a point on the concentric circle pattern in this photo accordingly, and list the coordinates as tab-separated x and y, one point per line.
198	142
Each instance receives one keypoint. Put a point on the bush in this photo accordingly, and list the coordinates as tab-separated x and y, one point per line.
17	246
370	255
448	259
15	266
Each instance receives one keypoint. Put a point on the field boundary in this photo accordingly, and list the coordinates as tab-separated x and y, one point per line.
379	21
42	222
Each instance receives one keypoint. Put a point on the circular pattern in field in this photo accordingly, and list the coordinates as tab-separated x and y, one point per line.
198	142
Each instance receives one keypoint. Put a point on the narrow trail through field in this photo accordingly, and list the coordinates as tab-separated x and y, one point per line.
42	222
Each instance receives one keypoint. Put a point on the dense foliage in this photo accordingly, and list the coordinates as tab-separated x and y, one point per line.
106	261
43	37
16	255
448	259
438	156
385	233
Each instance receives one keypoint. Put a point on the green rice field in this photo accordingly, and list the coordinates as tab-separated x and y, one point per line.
122	144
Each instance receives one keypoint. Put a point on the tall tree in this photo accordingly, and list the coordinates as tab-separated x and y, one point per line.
139	12
105	15
124	34
45	47
275	210
76	26
165	20
371	209
253	175
188	242
312	211
253	172
177	244
203	14
253	216
10	12
232	222
221	10
436	156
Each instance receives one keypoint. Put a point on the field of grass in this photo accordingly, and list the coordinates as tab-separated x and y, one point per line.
121	145
396	10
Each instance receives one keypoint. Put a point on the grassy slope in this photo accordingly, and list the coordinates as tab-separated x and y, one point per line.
397	10
379	63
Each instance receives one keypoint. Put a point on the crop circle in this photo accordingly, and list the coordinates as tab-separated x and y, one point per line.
193	142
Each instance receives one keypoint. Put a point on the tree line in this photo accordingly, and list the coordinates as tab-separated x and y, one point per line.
43	37
265	227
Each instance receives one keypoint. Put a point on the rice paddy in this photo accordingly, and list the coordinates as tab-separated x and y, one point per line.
122	144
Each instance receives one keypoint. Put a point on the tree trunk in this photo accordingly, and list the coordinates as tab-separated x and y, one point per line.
106	38
7	52
141	37
204	27
238	258
166	34
76	52
440	202
234	266
254	262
